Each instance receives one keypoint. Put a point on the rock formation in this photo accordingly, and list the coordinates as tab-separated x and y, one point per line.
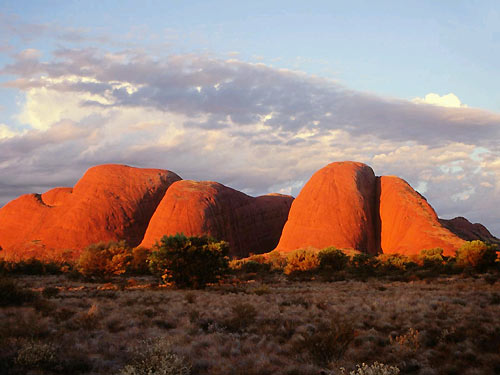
343	205
110	202
346	206
467	231
197	208
336	207
408	223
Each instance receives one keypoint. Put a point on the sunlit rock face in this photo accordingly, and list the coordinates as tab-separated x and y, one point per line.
343	205
408	224
336	207
346	206
250	225
464	229
110	202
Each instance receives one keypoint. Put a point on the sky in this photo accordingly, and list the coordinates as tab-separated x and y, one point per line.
255	95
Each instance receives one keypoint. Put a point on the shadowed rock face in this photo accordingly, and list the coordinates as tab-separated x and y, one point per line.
198	208
467	231
408	223
337	207
110	202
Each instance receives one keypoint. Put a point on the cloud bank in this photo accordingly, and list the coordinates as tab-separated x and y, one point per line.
250	126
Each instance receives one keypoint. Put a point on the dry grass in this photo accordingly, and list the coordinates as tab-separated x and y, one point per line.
444	326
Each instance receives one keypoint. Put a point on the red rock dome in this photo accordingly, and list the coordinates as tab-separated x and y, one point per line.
110	202
209	208
336	207
408	223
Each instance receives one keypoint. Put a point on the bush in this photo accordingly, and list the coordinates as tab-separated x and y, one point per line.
243	316
364	264
328	342
375	369
431	258
32	266
250	266
392	262
476	254
277	261
301	260
37	355
190	261
103	260
332	259
156	357
12	294
139	264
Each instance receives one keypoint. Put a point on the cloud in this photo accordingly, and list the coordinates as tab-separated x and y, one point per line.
449	100
250	126
6	132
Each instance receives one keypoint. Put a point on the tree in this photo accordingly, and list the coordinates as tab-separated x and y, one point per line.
190	261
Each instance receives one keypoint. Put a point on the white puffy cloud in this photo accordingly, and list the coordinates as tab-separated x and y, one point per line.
250	126
449	100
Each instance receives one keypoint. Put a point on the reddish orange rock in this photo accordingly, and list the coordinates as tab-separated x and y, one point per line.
110	202
408	223
56	196
464	229
209	208
336	207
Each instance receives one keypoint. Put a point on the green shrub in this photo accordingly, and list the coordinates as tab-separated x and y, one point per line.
332	259
156	357
301	260
11	294
190	261
103	260
477	255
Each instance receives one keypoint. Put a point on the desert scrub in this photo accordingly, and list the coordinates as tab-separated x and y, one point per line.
301	260
190	261
104	260
156	357
374	369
